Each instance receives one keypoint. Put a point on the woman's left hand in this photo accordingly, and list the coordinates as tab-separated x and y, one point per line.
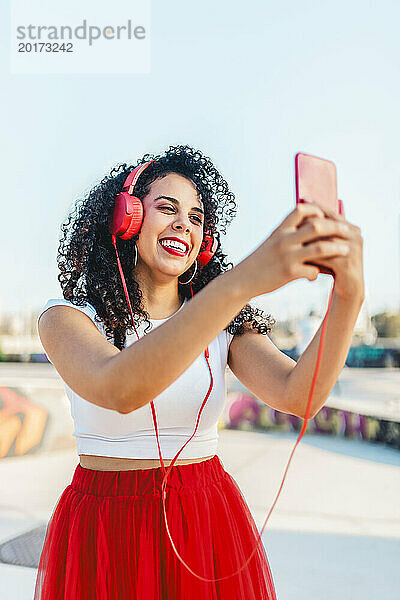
349	275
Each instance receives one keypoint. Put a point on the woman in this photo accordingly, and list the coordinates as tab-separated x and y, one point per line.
107	536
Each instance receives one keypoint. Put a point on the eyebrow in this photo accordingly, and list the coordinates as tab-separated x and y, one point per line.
175	201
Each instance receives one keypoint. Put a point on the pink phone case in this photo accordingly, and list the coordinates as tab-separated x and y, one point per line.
316	181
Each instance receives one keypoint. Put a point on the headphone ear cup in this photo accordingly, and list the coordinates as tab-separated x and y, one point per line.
127	217
208	248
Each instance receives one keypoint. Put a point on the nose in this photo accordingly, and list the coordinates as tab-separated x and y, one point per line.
182	224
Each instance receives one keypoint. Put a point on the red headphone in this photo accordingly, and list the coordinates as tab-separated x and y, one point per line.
127	217
127	220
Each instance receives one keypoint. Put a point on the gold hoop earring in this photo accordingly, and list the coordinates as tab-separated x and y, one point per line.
194	273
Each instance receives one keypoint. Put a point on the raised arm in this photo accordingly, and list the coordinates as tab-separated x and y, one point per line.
127	380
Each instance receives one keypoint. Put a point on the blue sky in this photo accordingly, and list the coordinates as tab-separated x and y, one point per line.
249	85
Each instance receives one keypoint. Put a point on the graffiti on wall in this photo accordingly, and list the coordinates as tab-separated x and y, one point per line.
22	423
244	411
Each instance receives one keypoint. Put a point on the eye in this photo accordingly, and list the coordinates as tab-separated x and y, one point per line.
171	208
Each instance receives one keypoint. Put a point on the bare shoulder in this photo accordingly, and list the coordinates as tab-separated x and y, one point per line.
237	340
58	317
76	348
262	368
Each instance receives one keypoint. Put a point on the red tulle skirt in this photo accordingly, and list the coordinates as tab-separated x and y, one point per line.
107	540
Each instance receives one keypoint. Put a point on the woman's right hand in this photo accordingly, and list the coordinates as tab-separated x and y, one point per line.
282	256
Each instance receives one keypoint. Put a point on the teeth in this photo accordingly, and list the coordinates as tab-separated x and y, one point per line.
173	244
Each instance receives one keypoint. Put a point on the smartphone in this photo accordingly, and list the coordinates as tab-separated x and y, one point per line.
316	181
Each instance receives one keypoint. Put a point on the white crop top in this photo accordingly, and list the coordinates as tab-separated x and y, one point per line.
105	432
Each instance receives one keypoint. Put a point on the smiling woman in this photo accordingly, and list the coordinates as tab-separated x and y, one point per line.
173	221
107	538
173	242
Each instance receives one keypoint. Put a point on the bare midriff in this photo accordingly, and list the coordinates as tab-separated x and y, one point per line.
109	463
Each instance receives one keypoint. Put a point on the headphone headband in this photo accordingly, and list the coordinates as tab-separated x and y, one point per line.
134	175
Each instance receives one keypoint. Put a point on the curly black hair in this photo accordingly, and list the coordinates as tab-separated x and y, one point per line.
86	256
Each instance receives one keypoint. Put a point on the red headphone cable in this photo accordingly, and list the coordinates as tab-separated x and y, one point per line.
166	473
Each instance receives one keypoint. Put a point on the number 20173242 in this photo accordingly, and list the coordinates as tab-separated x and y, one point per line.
45	47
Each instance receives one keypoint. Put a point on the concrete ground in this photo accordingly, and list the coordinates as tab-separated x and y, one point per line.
334	532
